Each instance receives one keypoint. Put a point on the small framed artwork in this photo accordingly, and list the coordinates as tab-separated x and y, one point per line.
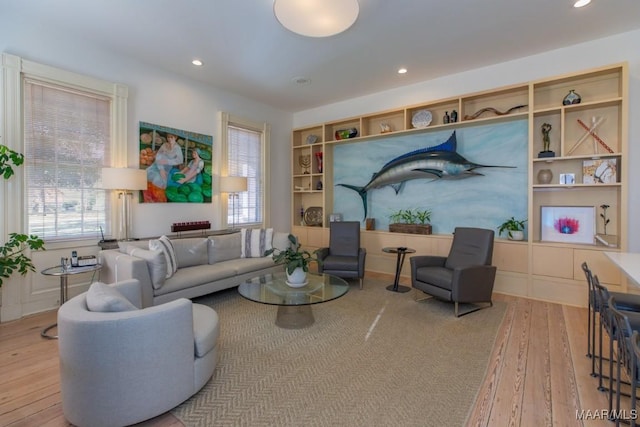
567	178
600	171
568	224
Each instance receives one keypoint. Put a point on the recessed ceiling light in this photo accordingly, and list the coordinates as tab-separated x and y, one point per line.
402	71
581	3
196	62
301	80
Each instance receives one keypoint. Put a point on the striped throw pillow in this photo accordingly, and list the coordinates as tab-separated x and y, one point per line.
164	244
255	241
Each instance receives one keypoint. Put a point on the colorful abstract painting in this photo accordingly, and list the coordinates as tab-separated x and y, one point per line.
178	165
568	224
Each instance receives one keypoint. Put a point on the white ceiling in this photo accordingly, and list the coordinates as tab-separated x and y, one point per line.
246	51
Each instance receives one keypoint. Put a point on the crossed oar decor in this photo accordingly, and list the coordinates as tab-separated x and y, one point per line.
591	131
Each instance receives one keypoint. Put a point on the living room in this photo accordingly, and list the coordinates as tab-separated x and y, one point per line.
160	96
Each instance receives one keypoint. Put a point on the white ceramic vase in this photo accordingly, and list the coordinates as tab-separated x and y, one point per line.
297	279
516	235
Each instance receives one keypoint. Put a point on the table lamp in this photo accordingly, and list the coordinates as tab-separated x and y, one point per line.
233	185
125	181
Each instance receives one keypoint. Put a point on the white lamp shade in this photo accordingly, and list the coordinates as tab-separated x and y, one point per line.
233	184
316	18
124	179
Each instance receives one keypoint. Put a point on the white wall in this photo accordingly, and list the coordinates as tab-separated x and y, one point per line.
610	50
166	99
157	97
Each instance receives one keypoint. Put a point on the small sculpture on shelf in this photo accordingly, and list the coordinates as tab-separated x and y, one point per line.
305	161
319	161
603	215
385	128
546	142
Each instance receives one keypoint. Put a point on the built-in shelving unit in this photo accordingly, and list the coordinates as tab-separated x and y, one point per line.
550	270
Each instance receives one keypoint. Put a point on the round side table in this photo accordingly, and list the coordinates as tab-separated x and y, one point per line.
64	284
402	252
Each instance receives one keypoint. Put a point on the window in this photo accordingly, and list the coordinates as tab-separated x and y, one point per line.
72	125
66	144
245	148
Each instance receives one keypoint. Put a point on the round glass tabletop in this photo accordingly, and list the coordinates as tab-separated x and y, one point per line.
273	289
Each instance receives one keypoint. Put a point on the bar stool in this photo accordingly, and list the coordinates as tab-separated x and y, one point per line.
626	302
626	357
601	300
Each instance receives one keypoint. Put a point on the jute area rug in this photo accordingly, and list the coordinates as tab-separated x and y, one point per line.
372	358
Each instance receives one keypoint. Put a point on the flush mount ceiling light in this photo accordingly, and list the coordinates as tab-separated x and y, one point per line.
402	71
316	18
581	3
196	62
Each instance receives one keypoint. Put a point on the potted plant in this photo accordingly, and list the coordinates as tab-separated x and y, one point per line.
296	261
513	227
12	257
410	221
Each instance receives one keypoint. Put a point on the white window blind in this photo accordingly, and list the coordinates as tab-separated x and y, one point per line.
245	151
67	142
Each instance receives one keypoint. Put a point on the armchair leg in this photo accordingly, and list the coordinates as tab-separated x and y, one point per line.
475	308
361	282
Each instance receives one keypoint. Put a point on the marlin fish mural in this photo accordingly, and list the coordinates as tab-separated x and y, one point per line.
438	162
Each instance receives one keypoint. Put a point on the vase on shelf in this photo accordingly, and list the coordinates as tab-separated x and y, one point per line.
319	161
571	98
545	176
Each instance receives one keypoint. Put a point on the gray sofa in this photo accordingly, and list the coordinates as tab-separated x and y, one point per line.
205	265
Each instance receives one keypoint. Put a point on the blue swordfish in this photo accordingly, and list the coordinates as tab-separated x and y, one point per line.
437	162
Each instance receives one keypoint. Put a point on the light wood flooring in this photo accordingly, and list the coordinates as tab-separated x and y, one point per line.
538	374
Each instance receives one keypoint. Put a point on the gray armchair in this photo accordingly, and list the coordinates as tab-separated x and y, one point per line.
124	367
464	276
344	257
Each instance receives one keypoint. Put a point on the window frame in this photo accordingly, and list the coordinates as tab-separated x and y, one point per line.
226	120
14	70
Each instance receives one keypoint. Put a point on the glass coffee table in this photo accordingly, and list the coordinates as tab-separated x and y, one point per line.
294	304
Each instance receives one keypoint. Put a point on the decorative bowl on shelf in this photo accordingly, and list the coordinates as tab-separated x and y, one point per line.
346	133
421	119
313	216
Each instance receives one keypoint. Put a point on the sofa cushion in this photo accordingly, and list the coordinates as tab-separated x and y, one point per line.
255	241
247	265
156	264
126	245
224	247
280	241
164	244
206	329
104	298
197	275
190	251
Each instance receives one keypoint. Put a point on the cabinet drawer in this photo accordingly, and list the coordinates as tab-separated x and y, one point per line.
553	261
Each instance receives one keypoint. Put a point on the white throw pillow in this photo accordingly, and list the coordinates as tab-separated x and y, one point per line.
255	241
156	264
164	244
106	299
